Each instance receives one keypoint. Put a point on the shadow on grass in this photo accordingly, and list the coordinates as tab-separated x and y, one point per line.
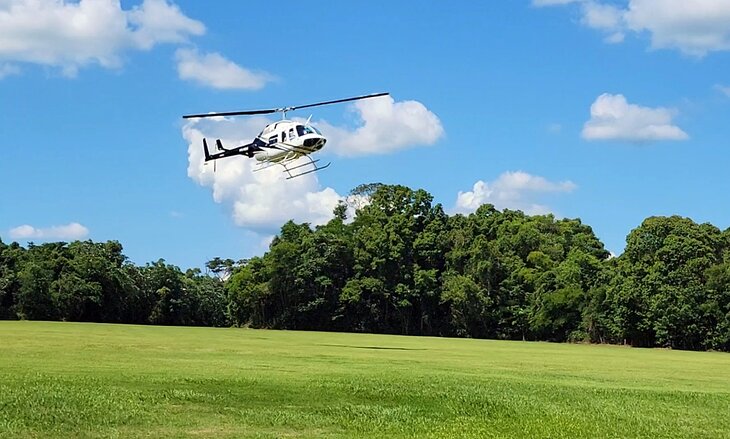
372	347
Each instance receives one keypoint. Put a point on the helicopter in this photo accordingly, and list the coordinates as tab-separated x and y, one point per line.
279	143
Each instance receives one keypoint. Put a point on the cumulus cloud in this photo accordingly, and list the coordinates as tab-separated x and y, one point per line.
613	118
694	27
70	231
213	70
607	18
512	190
552	2
385	126
157	21
723	89
261	200
70	35
8	70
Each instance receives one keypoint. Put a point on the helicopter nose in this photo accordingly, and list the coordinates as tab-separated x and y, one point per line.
316	143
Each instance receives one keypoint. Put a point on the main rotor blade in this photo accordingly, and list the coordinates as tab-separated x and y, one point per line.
337	101
284	109
232	113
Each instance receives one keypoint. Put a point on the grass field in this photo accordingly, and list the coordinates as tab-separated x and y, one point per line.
92	380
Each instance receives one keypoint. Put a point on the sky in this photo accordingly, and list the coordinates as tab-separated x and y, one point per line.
610	111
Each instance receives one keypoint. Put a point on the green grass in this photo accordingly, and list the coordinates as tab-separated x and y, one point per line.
91	380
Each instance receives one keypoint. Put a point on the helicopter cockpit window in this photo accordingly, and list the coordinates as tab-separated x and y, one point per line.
273	139
306	129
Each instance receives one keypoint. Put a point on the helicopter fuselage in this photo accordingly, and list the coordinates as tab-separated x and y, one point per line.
287	140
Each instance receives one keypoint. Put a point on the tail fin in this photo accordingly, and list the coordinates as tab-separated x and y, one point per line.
205	148
219	145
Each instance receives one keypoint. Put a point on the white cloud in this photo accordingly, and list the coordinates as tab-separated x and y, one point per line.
613	118
511	190
70	35
157	21
70	231
213	70
540	3
8	70
386	126
265	242
606	18
694	27
723	89
261	200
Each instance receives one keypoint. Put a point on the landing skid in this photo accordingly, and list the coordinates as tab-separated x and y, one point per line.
288	169
312	163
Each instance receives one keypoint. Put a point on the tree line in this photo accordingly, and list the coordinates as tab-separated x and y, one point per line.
401	265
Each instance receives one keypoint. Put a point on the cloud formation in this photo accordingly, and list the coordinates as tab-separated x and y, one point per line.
385	126
512	190
606	18
694	27
70	35
70	232
8	70
553	2
613	118
213	70
723	89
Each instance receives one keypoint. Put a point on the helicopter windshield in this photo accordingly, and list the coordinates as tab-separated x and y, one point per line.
307	129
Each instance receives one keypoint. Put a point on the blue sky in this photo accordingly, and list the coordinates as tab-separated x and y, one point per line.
609	111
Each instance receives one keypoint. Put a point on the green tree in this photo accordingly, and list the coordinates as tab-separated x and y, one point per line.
173	301
661	296
249	296
42	265
11	259
396	240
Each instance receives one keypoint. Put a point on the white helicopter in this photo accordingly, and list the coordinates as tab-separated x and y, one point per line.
279	143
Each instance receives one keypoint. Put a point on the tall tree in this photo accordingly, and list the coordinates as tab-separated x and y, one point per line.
660	297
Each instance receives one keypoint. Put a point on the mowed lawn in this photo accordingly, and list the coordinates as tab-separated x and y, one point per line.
94	380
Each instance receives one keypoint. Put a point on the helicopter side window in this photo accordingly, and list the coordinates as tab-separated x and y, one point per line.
291	133
283	136
273	139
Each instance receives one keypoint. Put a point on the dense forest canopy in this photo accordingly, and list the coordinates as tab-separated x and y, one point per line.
403	266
